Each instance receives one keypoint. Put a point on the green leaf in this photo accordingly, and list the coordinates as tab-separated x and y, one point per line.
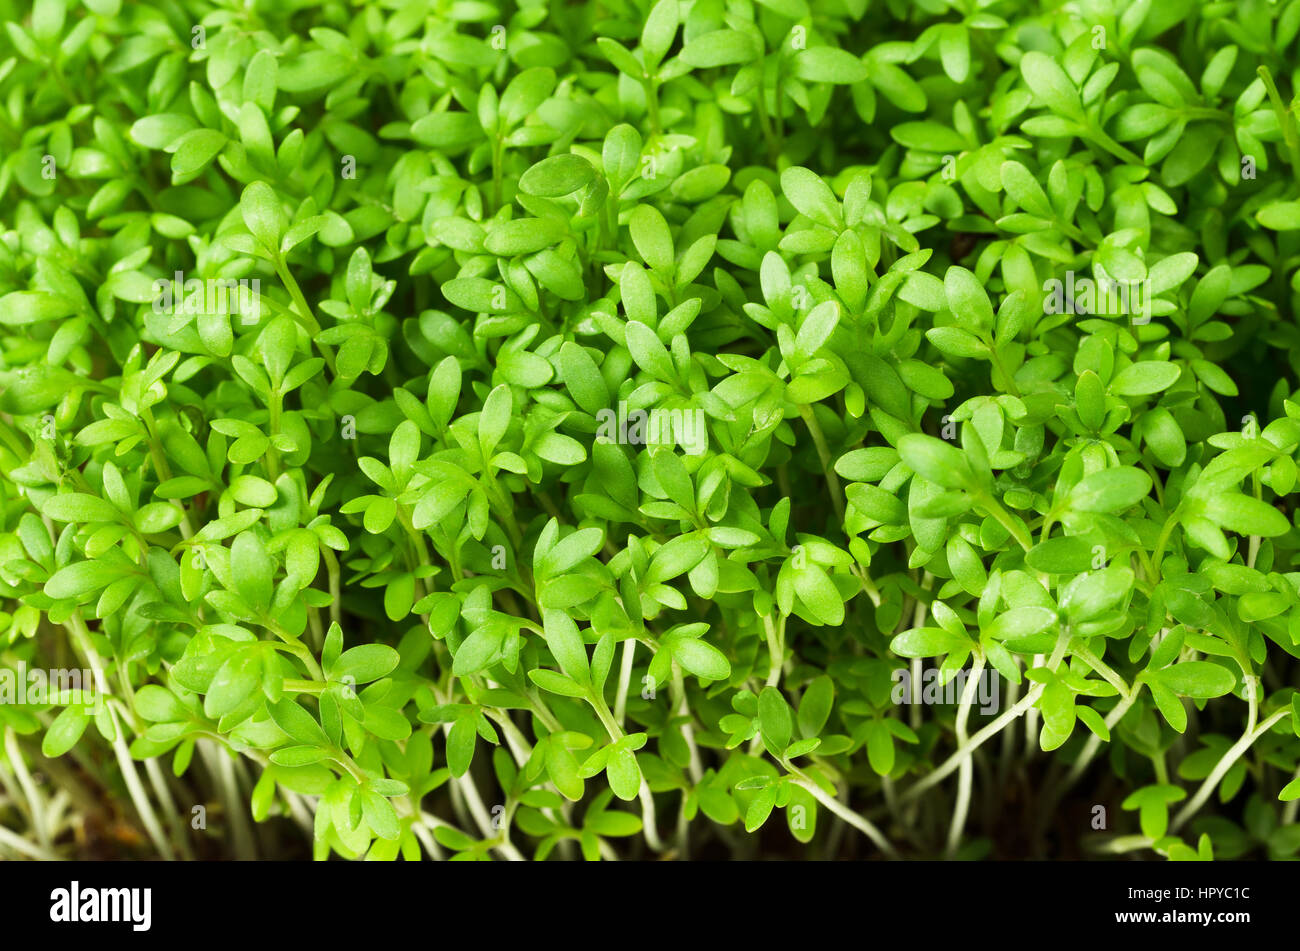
582	378
194	151
659	30
621	155
237	680
1110	490
523	236
927	642
701	659
64	732
1199	679
826	64
935	461
160	131
365	663
289	717
30	307
1057	706
260	79
78	507
648	352
477	651
760	808
1050	84
1280	215
263	215
462	737
252	570
494	418
1021	185
651	236
776	721
1245	515
566	644
158	704
1062	555
80	579
557	176
296	756
811	196
557	683
719	48
1021	622
1145	378
624	774
815	706
817	327
1091	595
967	300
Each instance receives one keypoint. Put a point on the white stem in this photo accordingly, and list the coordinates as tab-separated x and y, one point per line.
81	637
858	822
624	679
1031	720
982	736
428	841
694	766
147	815
914	712
480	814
301	813
1234	753
1094	742
30	792
964	776
159	783
1009	738
21	845
225	768
650	827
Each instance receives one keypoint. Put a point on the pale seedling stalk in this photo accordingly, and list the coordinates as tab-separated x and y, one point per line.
966	769
36	802
1233	754
982	736
861	823
649	826
624	680
81	636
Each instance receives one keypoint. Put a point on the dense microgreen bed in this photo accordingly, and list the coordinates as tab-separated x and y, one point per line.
691	429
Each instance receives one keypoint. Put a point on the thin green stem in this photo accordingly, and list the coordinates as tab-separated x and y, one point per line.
1220	770
859	822
1003	518
824	454
306	317
1165	531
1285	120
979	738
